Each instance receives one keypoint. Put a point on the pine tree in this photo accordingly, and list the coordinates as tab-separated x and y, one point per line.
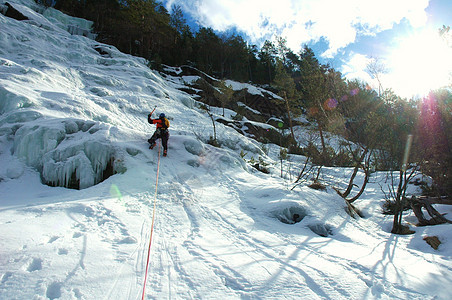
267	56
287	91
206	50
313	89
182	49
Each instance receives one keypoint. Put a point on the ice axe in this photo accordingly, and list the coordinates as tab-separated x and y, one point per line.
153	110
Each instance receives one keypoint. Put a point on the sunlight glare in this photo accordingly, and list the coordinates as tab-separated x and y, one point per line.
420	63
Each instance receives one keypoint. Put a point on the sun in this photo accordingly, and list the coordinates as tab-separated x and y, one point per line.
421	62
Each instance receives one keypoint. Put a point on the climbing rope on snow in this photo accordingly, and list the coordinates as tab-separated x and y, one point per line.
152	224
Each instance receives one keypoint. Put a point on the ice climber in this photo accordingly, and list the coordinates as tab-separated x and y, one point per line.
160	133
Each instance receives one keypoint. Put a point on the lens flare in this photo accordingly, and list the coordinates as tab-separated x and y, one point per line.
115	192
330	104
354	92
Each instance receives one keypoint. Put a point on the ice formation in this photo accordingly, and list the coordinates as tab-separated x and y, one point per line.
69	153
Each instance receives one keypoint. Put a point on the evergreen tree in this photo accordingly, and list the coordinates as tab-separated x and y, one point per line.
252	63
206	49
236	58
104	13
177	20
287	90
281	50
434	140
70	7
184	47
312	84
267	56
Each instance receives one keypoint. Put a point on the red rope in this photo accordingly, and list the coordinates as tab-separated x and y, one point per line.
152	224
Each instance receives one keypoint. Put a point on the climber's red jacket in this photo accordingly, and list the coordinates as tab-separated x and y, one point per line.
161	123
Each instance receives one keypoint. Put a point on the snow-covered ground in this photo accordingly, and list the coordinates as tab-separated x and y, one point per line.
222	229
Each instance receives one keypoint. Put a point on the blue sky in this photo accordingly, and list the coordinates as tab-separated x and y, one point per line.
401	34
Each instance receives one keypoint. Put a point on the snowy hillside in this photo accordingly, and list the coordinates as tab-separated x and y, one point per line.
73	112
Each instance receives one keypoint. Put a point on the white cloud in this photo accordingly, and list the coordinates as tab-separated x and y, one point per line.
338	22
355	67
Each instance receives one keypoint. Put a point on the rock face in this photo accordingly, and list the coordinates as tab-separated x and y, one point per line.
265	103
252	104
13	13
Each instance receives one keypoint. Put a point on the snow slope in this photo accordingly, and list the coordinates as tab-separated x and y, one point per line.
222	229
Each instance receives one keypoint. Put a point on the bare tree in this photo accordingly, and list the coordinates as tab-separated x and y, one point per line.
417	203
397	190
376	69
361	162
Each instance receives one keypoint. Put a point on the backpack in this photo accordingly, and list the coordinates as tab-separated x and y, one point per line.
165	120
